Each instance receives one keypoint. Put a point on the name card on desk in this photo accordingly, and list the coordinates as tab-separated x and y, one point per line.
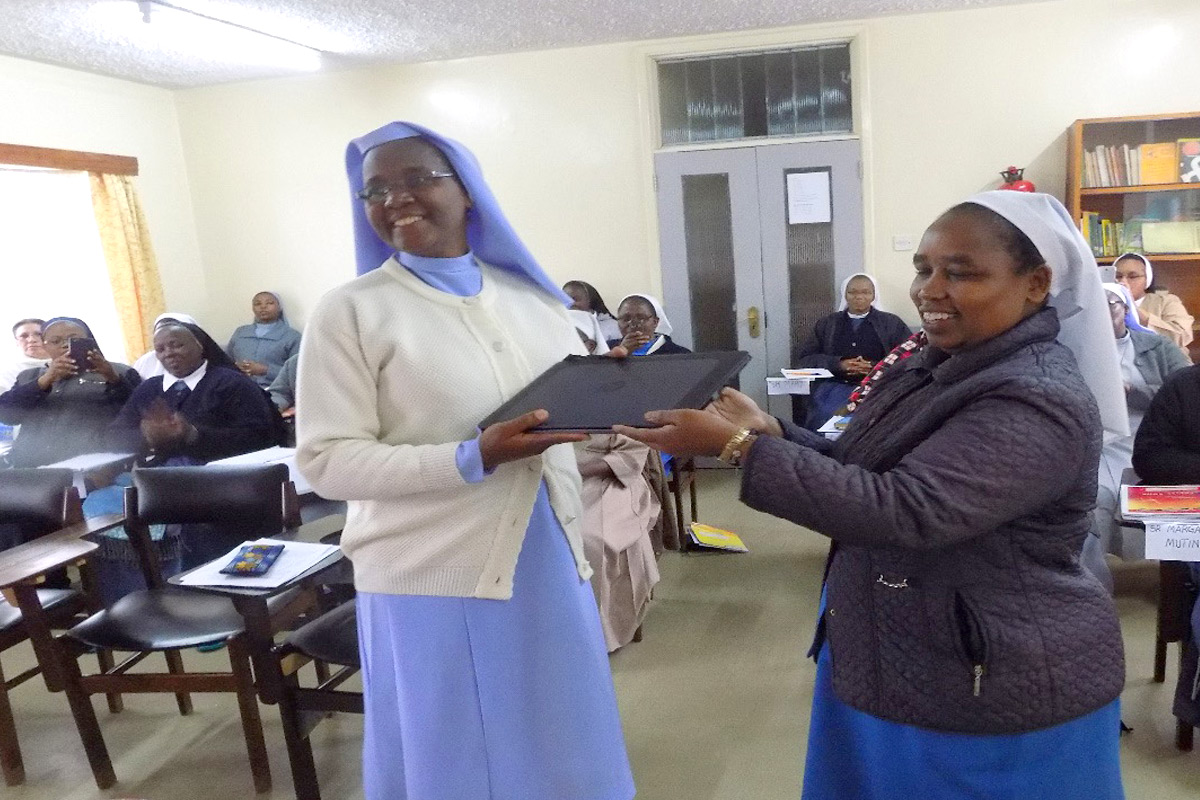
1168	540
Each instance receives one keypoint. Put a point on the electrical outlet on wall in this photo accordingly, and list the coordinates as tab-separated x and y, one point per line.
902	242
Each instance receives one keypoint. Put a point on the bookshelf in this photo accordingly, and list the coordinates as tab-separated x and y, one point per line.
1131	186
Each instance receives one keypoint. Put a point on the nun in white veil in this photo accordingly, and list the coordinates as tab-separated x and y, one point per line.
848	343
645	329
148	364
970	654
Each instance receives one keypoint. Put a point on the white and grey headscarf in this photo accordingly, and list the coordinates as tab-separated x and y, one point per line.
1086	327
1149	271
843	305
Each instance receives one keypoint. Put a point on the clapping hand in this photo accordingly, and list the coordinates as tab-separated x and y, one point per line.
161	426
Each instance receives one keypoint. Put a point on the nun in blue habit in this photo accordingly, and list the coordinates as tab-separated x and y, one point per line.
261	348
470	692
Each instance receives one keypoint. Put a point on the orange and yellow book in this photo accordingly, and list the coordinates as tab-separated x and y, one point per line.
1147	501
1158	162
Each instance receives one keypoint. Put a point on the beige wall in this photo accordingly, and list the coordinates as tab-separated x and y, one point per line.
47	106
946	101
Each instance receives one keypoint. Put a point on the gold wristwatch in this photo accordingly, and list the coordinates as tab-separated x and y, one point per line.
737	447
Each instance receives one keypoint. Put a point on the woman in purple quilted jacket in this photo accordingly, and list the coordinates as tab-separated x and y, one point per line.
962	651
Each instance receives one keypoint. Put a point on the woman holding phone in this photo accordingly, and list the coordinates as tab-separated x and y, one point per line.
484	666
64	408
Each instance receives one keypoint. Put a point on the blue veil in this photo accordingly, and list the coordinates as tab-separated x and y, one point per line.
489	234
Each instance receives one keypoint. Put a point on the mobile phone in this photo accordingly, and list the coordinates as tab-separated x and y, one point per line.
78	349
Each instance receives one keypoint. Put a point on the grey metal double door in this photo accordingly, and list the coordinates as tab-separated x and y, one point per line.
754	243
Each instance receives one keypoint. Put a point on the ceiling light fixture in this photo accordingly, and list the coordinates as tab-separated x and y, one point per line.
163	25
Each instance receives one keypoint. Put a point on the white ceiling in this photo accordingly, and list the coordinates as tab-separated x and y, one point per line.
83	34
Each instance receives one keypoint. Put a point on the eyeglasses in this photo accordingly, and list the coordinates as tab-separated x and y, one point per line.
634	319
411	182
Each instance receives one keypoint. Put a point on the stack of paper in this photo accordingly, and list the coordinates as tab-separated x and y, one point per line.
296	559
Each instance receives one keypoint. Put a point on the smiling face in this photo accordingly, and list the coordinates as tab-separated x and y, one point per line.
56	340
636	316
178	350
1131	272
266	307
430	220
29	339
860	293
969	285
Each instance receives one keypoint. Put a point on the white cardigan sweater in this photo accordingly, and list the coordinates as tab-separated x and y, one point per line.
393	375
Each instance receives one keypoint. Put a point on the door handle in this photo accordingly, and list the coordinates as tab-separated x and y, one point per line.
752	319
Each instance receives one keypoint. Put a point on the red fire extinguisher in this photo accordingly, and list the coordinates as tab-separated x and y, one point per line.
1014	181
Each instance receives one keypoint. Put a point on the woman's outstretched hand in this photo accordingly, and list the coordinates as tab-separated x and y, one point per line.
733	406
513	440
684	432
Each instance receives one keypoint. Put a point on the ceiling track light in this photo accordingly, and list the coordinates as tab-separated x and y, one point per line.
146	7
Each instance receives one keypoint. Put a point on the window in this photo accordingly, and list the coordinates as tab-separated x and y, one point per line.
51	257
797	92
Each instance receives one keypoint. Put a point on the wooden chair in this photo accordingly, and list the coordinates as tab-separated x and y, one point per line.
165	619
34	503
331	638
681	474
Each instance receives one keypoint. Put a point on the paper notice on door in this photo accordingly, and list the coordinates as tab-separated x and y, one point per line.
808	197
1172	541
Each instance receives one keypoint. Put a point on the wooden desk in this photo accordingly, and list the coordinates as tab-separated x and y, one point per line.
254	604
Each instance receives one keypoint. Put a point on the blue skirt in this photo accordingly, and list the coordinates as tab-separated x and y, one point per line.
493	699
852	754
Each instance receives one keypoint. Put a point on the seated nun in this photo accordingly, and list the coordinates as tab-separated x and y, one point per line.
1156	308
586	297
848	343
64	408
148	365
201	410
1146	359
645	329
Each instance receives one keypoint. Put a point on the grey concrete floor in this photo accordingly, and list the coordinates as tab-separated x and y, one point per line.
715	700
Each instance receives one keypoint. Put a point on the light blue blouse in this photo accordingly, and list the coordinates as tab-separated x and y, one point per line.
459	276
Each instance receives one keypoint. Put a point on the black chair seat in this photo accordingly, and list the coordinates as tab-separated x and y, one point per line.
163	619
331	637
51	599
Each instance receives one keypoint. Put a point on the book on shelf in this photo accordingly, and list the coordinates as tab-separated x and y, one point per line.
1158	162
1189	160
1171	237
